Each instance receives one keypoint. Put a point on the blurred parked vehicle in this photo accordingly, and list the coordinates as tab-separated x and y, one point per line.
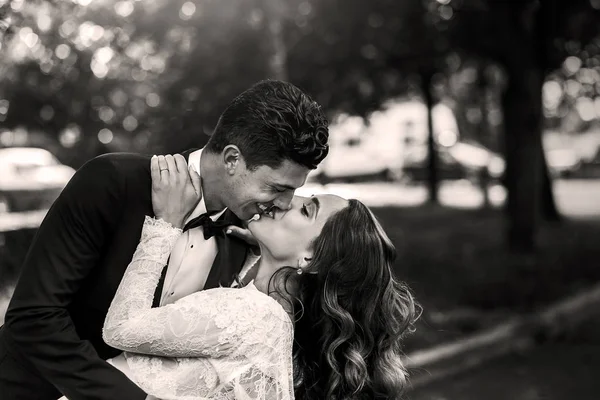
31	178
391	144
355	162
561	155
562	163
377	148
590	168
461	160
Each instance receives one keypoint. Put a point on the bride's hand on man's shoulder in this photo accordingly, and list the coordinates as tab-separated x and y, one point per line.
176	188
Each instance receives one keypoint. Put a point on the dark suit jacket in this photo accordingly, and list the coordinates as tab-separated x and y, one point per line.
54	322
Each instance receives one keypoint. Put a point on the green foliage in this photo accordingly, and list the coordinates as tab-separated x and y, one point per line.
356	54
133	75
502	30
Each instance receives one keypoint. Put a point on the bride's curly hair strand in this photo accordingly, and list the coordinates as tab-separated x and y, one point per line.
354	313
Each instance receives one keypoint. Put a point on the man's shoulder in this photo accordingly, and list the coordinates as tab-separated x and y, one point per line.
116	165
120	171
121	160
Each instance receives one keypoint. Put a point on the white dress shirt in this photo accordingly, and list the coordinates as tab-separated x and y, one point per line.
193	256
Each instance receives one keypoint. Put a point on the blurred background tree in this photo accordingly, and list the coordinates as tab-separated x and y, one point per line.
529	40
357	59
130	75
356	55
85	77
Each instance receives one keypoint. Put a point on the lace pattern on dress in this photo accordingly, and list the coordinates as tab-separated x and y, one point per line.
221	344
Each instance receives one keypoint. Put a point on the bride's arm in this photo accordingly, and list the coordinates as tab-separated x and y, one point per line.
212	323
135	293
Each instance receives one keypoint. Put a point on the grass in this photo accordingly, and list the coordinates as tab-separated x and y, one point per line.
458	267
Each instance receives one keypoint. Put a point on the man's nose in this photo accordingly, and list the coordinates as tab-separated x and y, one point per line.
284	202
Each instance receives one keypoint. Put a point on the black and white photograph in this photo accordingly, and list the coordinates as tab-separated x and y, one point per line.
299	199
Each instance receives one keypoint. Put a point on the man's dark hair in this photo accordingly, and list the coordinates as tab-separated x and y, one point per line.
271	122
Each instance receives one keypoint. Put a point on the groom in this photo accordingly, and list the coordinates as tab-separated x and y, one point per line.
262	149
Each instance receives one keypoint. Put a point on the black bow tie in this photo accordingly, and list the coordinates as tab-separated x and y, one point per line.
211	228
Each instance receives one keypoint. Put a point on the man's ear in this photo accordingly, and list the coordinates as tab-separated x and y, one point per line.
232	158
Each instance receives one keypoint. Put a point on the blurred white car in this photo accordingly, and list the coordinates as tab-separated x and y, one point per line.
476	157
562	162
460	160
562	156
31	178
355	163
383	144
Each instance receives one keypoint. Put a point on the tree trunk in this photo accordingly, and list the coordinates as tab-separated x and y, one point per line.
527	178
483	131
549	210
546	21
432	161
522	104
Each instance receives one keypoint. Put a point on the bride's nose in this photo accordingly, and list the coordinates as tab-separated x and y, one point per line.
297	201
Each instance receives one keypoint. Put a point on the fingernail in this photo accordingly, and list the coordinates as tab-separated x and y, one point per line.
228	230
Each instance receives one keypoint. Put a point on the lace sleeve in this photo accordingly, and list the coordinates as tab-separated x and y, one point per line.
219	344
211	323
136	291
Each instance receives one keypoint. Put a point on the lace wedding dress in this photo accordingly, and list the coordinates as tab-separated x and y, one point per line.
220	344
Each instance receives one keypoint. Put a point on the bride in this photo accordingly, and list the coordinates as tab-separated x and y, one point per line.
322	298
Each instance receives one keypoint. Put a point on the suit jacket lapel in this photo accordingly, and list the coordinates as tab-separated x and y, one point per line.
159	287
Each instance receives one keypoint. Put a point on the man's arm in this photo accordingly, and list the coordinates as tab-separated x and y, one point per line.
65	249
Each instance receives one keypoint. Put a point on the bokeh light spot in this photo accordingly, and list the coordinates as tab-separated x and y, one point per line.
62	51
188	9
105	136
572	64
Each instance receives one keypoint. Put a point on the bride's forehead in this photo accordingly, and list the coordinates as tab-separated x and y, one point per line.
331	201
330	198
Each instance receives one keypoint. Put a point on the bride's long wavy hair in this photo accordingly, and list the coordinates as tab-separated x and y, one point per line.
351	313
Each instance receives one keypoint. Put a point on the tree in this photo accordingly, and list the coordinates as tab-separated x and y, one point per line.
123	75
357	60
528	39
369	52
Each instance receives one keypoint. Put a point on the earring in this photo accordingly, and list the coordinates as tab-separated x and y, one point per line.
302	263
